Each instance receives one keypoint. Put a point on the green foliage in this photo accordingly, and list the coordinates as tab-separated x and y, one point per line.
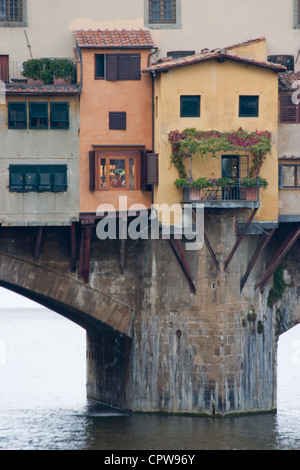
45	69
192	142
278	287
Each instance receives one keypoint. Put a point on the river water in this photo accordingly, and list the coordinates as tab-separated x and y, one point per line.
43	405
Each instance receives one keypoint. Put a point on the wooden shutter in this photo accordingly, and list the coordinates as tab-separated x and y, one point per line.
92	170
123	66
117	120
135	67
4	70
111	67
288	110
152	168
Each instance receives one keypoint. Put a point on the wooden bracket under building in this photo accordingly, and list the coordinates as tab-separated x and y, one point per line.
85	249
38	241
266	237
180	256
278	257
73	247
240	238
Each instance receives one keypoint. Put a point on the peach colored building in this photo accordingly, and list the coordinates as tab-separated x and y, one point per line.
115	118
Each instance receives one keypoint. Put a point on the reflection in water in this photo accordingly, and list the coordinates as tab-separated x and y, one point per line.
43	403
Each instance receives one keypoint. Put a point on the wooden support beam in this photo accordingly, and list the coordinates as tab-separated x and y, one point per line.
180	256
38	241
87	250
73	246
266	237
209	247
278	257
81	256
122	256
240	238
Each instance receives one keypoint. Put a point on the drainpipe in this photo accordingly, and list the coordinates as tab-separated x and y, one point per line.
152	77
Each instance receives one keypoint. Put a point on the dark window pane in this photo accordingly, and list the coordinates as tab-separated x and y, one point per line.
99	66
248	106
16	181
190	106
31	177
59	177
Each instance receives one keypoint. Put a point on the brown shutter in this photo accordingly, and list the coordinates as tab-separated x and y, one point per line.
144	171
92	170
111	67
123	67
152	168
117	120
288	110
135	66
4	74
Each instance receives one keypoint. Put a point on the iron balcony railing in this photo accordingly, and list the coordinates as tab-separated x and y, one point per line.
235	193
12	72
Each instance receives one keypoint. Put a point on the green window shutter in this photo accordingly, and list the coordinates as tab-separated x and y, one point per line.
38	115
280	175
45	178
59	173
59	116
17	115
16	178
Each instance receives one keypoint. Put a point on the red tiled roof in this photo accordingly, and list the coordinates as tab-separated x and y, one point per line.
220	54
289	81
109	39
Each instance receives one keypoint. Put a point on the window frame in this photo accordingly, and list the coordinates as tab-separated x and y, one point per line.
10	19
241	115
296	176
66	121
117	155
151	24
25	169
118	66
296	14
42	126
10	105
198	105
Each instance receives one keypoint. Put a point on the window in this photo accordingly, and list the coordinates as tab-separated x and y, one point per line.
162	11
24	178
248	106
17	116
289	112
289	176
117	170
179	54
38	115
189	106
59	116
117	120
118	66
13	12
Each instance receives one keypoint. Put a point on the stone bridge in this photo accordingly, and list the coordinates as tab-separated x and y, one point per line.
168	330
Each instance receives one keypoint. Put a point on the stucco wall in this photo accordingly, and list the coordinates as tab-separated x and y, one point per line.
37	146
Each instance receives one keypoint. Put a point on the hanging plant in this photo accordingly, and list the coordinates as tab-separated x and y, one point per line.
190	142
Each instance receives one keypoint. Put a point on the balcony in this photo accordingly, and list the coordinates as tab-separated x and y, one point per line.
39	75
232	197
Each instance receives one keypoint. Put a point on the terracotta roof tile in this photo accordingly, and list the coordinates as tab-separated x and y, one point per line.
114	38
217	54
289	81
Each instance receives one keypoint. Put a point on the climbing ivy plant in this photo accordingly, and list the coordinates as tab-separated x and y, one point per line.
190	142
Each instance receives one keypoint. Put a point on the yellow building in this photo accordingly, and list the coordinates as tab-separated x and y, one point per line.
224	91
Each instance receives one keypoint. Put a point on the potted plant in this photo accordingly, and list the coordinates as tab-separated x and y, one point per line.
37	71
63	71
250	186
